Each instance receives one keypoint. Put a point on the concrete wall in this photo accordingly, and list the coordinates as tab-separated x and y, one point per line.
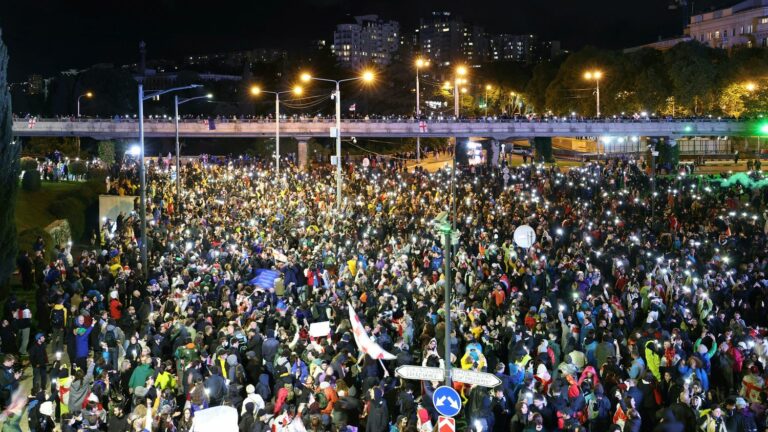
110	206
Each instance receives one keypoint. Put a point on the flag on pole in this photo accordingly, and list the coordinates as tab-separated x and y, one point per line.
363	341
353	107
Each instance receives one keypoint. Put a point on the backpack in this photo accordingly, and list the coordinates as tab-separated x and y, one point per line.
57	318
110	339
322	400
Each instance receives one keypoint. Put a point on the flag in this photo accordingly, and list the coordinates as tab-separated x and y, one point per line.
32	122
363	341
353	107
422	126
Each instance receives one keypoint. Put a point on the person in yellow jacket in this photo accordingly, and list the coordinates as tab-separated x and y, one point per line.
473	356
165	379
652	359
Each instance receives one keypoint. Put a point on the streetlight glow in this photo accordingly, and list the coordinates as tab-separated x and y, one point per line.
298	90
209	95
750	86
255	90
595	75
488	87
89	94
305	77
368	76
461	71
420	63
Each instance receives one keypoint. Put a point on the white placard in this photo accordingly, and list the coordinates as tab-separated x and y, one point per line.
216	419
320	329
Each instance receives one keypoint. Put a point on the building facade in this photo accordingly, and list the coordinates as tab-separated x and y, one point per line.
745	23
369	40
445	39
526	48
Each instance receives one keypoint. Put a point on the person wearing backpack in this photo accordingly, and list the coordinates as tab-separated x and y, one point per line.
112	340
58	324
598	409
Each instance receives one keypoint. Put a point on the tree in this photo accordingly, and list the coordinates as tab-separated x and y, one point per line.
693	71
10	153
732	99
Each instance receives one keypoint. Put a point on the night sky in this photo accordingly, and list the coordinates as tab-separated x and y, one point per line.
47	36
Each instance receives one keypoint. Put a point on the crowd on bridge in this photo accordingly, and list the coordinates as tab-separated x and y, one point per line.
630	312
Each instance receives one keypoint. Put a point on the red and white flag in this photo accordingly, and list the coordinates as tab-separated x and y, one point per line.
422	126
353	107
363	341
32	122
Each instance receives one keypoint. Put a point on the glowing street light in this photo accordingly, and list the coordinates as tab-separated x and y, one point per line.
297	90
595	75
87	95
367	77
750	86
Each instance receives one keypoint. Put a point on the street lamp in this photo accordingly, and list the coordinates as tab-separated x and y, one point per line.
255	90
458	79
176	103
750	86
366	76
595	75
488	87
420	63
86	94
142	169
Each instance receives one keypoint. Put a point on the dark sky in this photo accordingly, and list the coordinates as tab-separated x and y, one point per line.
48	36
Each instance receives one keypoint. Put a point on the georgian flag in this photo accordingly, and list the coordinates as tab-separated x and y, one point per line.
364	342
32	122
422	126
353	107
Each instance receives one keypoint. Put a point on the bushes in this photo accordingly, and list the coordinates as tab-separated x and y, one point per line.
72	209
107	152
28	164
78	168
97	174
31	181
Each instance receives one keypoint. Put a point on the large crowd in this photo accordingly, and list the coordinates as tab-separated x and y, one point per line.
631	312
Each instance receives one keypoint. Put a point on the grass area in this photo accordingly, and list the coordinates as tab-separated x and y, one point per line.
32	207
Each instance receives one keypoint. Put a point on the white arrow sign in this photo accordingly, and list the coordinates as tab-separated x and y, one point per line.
475	378
441	402
422	373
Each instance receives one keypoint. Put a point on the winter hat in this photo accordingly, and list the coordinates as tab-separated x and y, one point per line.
232	360
741	403
250	389
38	337
93	398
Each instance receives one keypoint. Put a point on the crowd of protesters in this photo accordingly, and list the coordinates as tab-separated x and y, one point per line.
628	313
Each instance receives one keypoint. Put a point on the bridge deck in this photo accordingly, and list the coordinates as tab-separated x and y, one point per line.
126	129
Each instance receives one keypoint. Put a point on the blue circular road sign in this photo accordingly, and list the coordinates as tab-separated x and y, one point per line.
446	401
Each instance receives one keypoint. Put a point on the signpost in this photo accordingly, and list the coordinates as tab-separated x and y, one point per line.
421	373
446	424
446	401
424	373
475	378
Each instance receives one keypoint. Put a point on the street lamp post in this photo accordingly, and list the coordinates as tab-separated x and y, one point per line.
595	75
297	91
366	77
86	94
142	169
176	103
460	72
420	63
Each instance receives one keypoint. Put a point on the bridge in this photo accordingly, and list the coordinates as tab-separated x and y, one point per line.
303	129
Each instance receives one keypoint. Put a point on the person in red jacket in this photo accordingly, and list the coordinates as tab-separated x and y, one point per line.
115	307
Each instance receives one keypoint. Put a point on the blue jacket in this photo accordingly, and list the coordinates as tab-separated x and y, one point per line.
687	371
81	343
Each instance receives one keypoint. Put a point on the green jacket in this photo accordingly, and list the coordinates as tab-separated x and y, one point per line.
140	375
652	360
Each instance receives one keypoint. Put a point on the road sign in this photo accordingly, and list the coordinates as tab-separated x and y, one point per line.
422	373
446	401
446	424
475	378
